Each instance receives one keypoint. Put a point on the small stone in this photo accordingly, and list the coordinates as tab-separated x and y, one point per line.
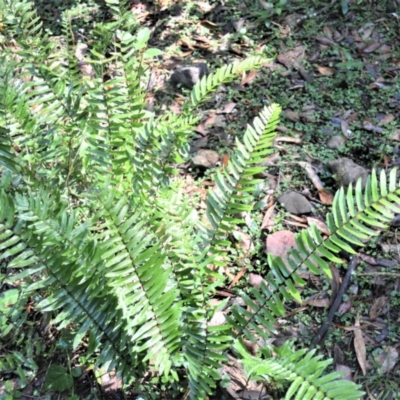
188	75
346	171
336	142
295	203
206	158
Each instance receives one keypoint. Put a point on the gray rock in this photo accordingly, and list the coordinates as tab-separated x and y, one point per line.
346	171
295	203
188	75
205	158
336	141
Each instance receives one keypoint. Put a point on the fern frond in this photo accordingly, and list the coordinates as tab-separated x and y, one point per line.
208	84
303	371
235	183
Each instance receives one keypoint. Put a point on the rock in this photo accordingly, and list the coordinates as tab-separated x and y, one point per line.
346	171
295	203
205	158
336	141
188	75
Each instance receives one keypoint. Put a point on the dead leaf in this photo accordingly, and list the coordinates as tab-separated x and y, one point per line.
320	225
245	241
326	197
268	220
246	79
255	280
292	115
279	243
348	374
217	319
326	71
324	303
335	282
227	108
237	278
371	47
396	135
324	40
344	125
377	307
387	359
359	347
387	119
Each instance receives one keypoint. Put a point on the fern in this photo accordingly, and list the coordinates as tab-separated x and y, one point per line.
94	222
303	370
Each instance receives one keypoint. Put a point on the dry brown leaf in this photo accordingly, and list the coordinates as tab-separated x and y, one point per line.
344	125
359	347
387	119
320	225
387	359
227	108
326	71
335	282
246	79
371	47
324	303
324	40
279	243
327	32
237	278
288	139
396	135
348	374
268	220
255	280
377	307
326	197
217	319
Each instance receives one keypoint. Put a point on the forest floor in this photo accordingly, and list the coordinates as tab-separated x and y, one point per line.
334	69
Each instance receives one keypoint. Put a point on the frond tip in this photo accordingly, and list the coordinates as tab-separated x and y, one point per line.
302	370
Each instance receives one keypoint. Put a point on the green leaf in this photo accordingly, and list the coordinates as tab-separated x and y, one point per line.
58	379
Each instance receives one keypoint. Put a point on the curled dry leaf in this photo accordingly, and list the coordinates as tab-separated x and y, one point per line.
279	243
359	347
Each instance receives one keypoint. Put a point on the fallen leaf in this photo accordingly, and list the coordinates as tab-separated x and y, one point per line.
237	278
325	196
227	108
268	220
320	225
387	119
359	347
377	307
335	282
246	79
324	40
348	374
387	359
279	243
371	47
255	280
245	241
326	71
324	303
217	319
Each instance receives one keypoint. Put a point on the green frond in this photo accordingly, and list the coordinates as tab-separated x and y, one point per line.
302	371
208	84
235	183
